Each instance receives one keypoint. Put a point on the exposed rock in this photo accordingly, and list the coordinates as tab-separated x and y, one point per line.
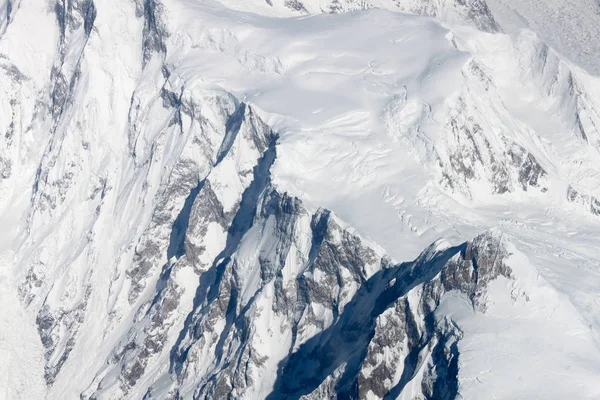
588	202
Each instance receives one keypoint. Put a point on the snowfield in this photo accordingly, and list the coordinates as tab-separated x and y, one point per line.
299	199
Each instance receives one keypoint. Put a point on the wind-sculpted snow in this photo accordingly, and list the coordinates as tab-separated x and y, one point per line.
468	12
569	26
210	202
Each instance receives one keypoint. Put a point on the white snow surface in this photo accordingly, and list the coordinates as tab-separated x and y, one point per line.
362	103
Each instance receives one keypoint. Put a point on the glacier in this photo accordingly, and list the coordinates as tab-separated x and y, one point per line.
288	199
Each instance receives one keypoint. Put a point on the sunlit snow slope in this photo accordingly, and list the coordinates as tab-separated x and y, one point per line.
299	199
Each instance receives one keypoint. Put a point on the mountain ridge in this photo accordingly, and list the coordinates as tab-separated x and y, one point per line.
202	202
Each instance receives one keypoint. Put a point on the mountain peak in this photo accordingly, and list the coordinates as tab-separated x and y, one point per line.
293	199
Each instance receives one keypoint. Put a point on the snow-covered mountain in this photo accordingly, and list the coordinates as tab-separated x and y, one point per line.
309	199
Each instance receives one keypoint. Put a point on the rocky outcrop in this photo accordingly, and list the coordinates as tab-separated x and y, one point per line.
155	31
504	166
587	202
473	152
389	333
159	257
303	286
316	291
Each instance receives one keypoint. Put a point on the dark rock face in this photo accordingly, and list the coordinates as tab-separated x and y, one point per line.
332	250
154	31
479	13
51	324
344	316
407	332
377	330
357	324
295	5
352	325
479	154
191	187
481	262
588	202
349	323
72	16
382	329
530	172
505	169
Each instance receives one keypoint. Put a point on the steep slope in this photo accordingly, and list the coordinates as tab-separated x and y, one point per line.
202	202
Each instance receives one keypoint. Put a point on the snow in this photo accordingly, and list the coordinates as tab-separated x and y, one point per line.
360	101
570	26
334	149
555	345
358	124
